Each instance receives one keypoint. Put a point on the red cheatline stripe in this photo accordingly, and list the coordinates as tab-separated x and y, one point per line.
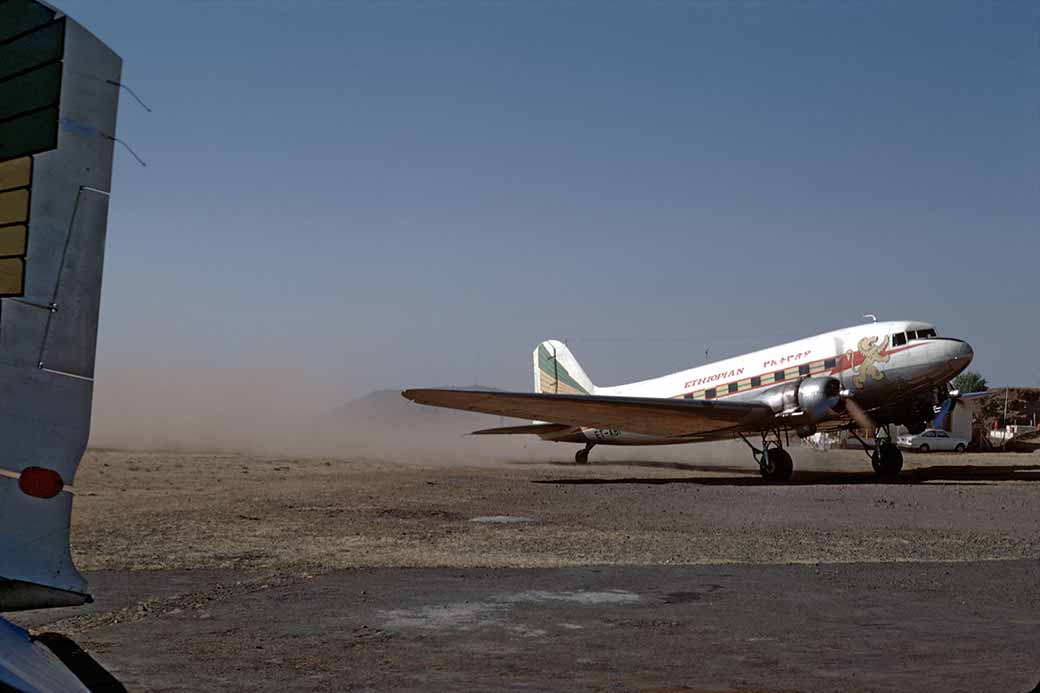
842	363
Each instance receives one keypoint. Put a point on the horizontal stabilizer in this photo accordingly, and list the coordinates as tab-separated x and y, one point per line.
646	415
533	429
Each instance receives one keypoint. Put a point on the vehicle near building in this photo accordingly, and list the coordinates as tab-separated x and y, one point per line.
933	440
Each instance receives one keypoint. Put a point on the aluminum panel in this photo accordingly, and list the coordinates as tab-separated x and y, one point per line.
71	338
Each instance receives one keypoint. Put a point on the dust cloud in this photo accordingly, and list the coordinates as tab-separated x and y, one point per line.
265	411
194	407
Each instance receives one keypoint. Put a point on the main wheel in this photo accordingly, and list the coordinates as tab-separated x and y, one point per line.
887	460
924	448
582	456
776	464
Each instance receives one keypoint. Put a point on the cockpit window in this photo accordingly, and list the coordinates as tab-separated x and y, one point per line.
899	339
911	335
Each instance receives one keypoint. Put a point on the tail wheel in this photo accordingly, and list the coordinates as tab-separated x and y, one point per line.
776	464
582	456
887	460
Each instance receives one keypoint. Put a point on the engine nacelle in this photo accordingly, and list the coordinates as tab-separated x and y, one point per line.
814	397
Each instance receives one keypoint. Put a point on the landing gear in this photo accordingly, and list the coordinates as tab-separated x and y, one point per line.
887	460
885	457
582	456
774	462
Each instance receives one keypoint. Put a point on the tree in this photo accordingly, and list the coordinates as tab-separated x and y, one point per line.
969	381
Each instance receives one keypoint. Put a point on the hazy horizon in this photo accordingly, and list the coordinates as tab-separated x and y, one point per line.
344	197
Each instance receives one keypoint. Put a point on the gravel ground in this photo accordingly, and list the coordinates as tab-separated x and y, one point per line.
159	511
237	572
846	627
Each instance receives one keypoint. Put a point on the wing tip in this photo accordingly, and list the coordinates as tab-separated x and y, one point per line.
412	394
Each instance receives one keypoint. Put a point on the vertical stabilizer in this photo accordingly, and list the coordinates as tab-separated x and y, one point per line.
58	100
557	372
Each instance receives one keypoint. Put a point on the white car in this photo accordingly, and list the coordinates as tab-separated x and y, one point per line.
933	439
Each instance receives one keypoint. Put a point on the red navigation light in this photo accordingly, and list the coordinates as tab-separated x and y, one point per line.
40	483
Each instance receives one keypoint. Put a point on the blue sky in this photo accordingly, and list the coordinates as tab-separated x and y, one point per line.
343	196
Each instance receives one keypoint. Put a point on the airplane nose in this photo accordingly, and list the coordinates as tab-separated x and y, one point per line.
962	353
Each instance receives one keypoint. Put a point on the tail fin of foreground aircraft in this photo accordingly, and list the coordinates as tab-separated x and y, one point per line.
557	372
57	122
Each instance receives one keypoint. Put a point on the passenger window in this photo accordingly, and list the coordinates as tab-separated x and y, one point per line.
709	394
733	388
756	381
778	376
899	339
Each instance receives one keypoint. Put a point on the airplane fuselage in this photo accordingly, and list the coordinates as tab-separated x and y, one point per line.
883	365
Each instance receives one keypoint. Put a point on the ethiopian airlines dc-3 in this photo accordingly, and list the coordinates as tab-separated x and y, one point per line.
866	377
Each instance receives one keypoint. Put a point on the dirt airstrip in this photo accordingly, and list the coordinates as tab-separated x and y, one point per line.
242	572
159	511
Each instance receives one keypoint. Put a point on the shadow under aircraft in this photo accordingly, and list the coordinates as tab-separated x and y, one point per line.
936	474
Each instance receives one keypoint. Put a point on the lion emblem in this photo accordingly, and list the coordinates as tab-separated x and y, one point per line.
872	356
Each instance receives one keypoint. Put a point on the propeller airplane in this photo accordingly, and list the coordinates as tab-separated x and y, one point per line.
867	377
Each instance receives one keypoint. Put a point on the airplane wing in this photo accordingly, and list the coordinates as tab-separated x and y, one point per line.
536	429
647	415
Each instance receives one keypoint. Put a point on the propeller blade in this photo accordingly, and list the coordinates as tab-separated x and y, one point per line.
839	349
945	409
861	417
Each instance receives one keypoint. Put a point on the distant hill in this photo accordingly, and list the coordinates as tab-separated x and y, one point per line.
385	426
387	408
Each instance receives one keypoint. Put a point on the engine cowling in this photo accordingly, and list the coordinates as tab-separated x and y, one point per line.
814	397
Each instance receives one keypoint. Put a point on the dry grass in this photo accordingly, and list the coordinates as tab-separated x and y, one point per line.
162	510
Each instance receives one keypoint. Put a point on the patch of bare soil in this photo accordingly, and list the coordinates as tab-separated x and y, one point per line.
165	511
